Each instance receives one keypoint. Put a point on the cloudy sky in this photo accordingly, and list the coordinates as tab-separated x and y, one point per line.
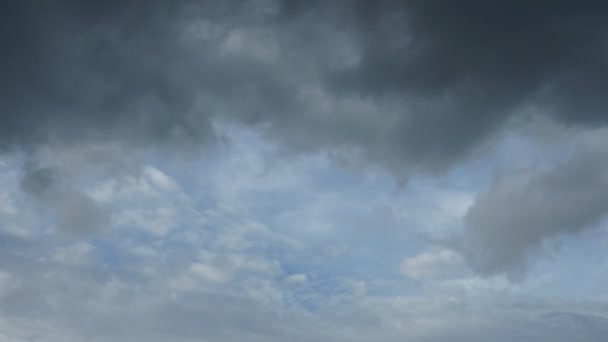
267	170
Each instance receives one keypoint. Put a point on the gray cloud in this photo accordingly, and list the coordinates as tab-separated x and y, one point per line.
70	209
37	180
523	209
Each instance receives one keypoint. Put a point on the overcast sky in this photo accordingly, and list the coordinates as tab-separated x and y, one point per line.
267	170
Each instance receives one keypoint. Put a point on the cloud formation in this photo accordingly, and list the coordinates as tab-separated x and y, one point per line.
267	236
414	86
72	210
521	210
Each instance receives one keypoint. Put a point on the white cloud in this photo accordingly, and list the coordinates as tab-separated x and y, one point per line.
209	273
157	221
444	264
296	279
160	180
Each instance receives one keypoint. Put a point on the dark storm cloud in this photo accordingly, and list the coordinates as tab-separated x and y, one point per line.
123	70
442	75
510	51
468	66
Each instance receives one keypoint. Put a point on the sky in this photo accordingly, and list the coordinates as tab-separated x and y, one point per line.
265	170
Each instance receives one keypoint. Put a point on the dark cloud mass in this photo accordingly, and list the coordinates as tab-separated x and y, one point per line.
98	70
468	66
442	75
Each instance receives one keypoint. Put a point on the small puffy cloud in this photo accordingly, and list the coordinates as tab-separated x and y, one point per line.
208	273
231	270
160	180
150	201
155	221
440	265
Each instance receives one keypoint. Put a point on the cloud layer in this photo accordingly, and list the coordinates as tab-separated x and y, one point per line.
310	171
410	85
